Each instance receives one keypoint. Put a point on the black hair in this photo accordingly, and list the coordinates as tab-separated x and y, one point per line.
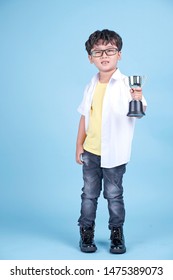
107	36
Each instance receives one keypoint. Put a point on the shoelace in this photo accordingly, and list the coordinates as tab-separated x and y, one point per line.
87	236
116	235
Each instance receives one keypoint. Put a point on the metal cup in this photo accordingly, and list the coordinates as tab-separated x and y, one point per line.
135	106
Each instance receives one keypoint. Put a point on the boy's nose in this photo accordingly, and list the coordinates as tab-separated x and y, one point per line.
104	54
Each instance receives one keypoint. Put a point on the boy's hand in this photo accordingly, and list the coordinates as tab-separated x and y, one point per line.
136	93
79	152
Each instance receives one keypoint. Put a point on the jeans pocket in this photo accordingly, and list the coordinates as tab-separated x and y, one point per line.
85	157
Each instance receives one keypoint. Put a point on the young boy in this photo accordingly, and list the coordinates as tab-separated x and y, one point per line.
104	139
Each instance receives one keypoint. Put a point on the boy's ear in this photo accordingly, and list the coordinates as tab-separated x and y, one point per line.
119	55
90	58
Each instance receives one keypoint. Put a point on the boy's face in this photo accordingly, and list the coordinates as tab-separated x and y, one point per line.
105	62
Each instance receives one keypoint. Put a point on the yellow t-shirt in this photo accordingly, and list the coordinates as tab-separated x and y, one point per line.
92	142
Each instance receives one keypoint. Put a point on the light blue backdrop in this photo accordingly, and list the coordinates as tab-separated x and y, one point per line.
43	71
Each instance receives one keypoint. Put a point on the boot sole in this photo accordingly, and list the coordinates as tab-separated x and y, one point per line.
117	251
89	250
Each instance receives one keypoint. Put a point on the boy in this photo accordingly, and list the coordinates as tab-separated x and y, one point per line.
104	139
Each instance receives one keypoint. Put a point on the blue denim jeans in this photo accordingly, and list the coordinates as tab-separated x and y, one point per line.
112	178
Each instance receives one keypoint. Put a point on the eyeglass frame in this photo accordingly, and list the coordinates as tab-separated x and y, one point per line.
104	51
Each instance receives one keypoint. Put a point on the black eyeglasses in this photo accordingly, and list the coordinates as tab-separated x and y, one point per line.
108	52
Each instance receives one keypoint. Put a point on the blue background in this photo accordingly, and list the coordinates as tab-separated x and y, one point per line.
43	71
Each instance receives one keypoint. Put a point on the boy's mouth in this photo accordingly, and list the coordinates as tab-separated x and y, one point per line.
105	62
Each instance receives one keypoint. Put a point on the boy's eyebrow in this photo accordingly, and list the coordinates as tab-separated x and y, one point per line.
102	45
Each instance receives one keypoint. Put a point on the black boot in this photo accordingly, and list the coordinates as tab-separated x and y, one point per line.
117	241
87	244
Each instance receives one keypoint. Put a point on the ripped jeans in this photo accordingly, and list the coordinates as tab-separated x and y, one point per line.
112	178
